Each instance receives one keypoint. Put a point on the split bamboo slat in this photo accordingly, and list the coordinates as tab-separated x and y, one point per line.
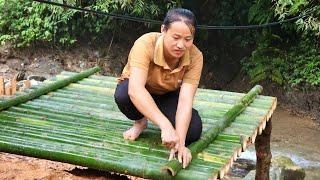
78	122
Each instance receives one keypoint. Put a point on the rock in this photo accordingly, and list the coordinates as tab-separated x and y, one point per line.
4	68
21	75
34	82
289	169
36	78
282	168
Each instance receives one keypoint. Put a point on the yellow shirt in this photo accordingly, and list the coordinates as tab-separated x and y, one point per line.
147	54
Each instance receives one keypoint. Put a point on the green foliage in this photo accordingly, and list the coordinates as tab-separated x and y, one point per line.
287	8
304	59
287	56
266	62
24	22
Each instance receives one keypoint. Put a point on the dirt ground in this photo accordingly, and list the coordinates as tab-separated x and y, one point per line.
293	133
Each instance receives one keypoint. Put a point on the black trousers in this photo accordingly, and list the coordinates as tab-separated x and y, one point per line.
167	104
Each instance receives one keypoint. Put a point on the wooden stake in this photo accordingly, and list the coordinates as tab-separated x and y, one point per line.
8	90
13	85
2	91
263	153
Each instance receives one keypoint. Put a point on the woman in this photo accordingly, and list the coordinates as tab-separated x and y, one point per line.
159	83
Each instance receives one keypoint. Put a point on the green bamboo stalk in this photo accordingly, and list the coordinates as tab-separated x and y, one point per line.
121	165
46	89
174	166
86	133
97	145
201	91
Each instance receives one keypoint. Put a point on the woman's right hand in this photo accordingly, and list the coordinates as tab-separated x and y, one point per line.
169	137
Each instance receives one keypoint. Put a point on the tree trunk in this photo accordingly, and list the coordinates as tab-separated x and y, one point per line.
263	153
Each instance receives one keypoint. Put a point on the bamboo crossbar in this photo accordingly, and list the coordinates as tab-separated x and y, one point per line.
78	122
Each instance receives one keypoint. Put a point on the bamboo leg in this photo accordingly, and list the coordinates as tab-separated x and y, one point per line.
263	153
2	91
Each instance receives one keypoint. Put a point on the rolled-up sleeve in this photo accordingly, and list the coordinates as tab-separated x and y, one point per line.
193	73
139	55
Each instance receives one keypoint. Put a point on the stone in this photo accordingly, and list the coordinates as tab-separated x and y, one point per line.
36	78
282	168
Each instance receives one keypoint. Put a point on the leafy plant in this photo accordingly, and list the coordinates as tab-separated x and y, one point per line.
289	56
24	22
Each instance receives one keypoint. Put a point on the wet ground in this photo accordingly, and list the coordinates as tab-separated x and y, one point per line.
294	136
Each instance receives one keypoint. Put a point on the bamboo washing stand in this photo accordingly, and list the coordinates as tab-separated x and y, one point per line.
73	118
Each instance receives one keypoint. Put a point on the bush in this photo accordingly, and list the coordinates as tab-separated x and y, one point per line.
23	22
290	55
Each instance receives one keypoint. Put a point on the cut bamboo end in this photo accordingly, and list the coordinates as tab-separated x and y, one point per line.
221	173
2	87
224	170
260	129
214	177
273	107
253	137
228	168
235	156
244	143
239	152
264	123
169	170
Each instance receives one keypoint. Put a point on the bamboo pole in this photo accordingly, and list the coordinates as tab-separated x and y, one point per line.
47	88
173	167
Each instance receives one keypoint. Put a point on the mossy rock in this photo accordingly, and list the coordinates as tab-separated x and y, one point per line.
282	168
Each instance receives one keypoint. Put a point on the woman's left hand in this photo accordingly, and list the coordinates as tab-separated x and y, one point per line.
184	155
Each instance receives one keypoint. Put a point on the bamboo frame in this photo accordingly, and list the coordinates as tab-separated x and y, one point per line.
82	118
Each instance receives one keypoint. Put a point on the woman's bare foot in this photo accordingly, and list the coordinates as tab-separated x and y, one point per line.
136	129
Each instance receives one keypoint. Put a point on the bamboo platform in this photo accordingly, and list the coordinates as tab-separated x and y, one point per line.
80	124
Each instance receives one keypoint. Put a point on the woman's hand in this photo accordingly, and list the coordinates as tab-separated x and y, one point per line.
170	137
184	155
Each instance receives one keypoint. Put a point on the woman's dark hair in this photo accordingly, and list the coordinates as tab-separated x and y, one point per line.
180	14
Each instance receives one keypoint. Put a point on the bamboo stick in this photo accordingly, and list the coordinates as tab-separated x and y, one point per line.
14	85
2	87
174	166
46	89
7	90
